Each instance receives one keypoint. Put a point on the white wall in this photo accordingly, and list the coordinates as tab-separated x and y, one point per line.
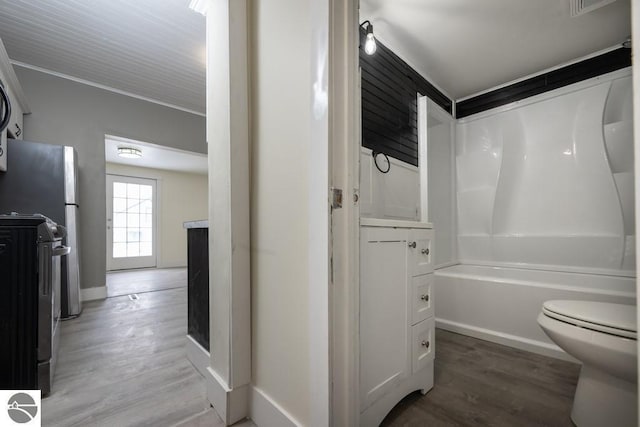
69	113
181	197
281	98
393	195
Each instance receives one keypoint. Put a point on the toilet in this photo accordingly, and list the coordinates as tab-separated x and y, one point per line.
603	336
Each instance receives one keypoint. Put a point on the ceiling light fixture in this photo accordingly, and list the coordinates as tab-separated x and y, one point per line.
370	42
129	152
199	6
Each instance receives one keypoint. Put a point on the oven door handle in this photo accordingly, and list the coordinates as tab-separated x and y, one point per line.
61	251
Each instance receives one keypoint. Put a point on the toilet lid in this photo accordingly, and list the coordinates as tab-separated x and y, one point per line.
615	319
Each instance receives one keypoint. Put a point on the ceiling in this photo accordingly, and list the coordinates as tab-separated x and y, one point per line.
468	46
153	49
155	156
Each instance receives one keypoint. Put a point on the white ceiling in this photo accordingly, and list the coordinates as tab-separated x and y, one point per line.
155	156
468	46
154	49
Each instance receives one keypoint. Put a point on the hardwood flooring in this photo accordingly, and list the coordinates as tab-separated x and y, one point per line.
478	383
123	363
127	282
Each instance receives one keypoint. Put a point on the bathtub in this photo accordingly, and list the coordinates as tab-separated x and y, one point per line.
501	304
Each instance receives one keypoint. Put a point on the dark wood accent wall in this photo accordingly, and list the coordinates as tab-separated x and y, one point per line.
583	70
198	285
389	108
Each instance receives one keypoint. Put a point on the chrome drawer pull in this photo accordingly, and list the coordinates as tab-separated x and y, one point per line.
425	297
425	251
412	245
425	344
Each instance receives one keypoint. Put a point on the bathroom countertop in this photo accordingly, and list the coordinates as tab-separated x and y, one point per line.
202	223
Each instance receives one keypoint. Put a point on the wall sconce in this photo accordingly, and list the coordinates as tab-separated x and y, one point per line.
370	42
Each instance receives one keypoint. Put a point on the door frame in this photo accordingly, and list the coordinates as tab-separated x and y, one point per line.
227	366
127	263
635	40
334	252
344	236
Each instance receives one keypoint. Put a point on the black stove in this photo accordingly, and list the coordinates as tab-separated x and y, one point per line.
30	252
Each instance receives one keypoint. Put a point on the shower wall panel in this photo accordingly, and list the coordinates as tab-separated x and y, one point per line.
549	182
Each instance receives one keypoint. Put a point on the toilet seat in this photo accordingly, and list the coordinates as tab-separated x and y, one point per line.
612	319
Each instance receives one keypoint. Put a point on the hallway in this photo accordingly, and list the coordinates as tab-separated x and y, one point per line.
125	282
123	362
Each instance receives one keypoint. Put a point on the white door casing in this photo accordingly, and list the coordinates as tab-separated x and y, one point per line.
344	158
635	36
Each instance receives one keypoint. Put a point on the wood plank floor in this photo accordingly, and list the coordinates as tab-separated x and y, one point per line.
127	282
478	383
123	363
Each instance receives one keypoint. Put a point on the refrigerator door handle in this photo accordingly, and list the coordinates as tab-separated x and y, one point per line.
72	304
61	251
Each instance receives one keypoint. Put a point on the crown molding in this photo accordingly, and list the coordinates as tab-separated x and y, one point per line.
104	87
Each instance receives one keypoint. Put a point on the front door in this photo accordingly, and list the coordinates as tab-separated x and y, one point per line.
131	222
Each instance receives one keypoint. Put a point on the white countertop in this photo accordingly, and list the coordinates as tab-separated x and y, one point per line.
395	223
203	223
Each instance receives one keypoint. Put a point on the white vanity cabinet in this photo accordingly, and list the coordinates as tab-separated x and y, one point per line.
396	314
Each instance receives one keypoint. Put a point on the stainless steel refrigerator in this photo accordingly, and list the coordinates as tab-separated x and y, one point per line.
43	179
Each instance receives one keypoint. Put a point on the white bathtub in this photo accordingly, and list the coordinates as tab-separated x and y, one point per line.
501	304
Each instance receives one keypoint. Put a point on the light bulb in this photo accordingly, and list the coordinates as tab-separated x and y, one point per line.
370	44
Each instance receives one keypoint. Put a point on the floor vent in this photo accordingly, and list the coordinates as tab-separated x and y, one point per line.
134	297
580	7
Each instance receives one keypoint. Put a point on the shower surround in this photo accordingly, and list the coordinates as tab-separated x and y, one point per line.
546	183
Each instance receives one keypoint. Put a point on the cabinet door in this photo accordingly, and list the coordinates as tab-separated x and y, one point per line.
385	338
420	251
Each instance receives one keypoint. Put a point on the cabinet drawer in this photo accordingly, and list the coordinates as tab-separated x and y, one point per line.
421	298
420	252
423	344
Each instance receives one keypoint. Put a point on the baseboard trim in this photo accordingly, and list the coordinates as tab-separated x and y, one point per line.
526	344
197	355
267	413
92	294
171	265
232	405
